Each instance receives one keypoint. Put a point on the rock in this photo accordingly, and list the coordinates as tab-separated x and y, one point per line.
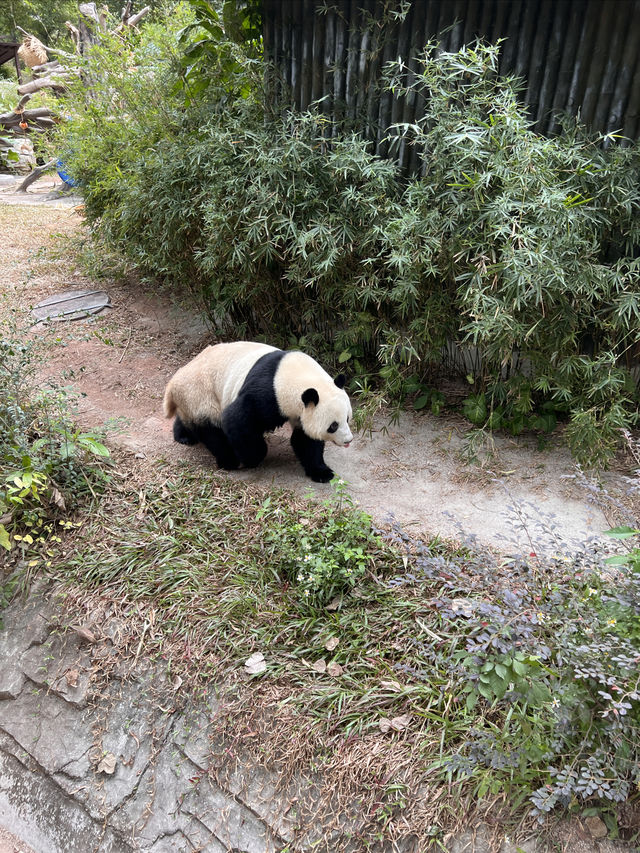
596	827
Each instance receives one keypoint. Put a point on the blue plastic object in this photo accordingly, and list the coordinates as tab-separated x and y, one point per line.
66	178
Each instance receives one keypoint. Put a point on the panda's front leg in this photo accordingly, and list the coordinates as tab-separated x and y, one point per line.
310	452
245	439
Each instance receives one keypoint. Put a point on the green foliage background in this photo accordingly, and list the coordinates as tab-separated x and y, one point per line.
523	247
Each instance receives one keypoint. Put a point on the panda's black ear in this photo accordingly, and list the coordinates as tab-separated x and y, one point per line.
310	396
340	380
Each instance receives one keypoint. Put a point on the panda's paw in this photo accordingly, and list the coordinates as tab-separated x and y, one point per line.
320	475
227	463
187	439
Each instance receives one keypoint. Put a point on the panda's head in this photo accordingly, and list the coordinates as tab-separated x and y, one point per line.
327	413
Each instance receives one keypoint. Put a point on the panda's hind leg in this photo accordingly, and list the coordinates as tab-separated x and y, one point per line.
310	453
217	444
182	434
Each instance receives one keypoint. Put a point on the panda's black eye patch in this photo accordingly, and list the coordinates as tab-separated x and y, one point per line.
333	427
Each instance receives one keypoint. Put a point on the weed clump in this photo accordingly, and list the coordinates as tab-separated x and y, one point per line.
48	464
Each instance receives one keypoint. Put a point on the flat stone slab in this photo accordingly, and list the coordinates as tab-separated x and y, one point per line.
71	305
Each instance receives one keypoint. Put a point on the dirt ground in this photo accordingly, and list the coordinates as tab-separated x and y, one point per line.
415	469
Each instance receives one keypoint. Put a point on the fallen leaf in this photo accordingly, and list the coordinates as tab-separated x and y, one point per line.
71	677
255	664
400	723
84	633
462	605
320	665
331	643
58	498
392	685
384	724
334	669
108	763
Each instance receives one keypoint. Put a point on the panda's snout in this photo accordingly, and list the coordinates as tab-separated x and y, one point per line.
346	441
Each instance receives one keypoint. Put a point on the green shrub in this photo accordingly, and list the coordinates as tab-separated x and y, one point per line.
47	463
533	243
323	552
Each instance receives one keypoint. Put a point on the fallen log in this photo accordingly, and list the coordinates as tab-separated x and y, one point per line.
46	67
13	117
35	174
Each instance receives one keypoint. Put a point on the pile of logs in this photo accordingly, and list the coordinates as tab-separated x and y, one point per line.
16	125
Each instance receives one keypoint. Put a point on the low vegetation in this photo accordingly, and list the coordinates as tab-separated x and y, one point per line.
48	465
512	682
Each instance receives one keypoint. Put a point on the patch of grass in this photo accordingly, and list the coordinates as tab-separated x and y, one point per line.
493	683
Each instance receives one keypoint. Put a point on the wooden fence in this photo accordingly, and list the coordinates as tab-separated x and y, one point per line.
575	56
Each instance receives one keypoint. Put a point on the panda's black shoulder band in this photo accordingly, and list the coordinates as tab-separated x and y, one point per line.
259	387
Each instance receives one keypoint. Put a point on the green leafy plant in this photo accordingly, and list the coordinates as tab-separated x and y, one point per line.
220	50
326	558
536	250
48	463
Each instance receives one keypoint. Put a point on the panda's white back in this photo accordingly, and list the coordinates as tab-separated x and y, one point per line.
205	386
238	358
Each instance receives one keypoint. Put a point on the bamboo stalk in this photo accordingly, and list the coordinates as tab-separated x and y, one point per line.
339	63
398	145
525	40
329	47
582	61
630	59
363	79
306	70
354	36
451	24
472	20
512	27
597	65
567	62
539	56
384	106
373	92
317	90
557	40
285	50
295	51
631	127
411	106
613	60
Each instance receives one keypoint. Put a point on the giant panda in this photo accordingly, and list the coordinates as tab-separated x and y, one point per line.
230	394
